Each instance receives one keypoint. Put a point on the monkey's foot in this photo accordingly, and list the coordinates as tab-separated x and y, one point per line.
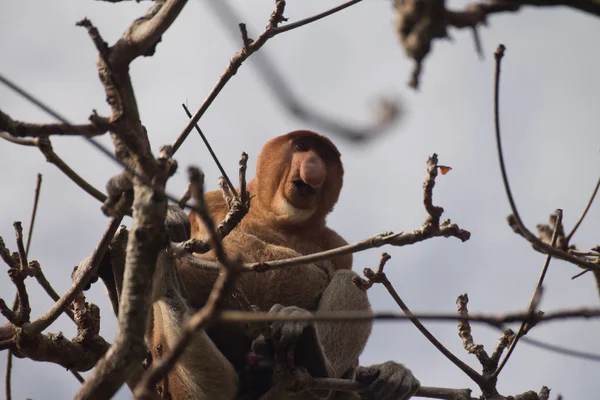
387	381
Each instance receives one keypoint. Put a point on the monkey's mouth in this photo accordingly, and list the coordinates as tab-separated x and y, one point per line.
303	188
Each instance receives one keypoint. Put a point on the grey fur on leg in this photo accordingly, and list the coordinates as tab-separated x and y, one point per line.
343	342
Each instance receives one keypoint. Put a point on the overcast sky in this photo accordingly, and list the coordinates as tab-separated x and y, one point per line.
341	66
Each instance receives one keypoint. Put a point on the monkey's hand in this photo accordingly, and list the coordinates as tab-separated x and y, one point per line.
295	341
387	381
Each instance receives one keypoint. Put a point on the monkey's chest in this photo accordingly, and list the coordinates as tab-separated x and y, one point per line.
299	286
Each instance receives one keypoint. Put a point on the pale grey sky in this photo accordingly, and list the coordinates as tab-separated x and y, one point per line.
341	65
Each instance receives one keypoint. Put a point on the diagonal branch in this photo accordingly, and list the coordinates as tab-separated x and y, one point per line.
585	211
275	81
534	298
380	277
83	277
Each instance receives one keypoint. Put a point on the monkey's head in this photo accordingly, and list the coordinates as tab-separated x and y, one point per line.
298	178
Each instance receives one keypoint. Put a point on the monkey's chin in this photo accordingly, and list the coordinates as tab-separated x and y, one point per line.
289	213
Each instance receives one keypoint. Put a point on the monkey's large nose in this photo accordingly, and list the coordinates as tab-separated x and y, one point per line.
313	171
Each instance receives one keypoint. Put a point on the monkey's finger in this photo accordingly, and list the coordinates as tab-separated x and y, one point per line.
264	347
367	374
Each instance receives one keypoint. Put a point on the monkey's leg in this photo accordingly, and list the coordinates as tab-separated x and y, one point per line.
343	342
202	372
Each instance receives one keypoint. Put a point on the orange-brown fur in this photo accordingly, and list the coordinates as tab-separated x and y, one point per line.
264	236
276	229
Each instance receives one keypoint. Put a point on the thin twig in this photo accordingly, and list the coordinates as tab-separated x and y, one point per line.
48	110
380	277
498	57
587	207
23	311
586	355
20	246
386	238
45	146
210	150
79	283
9	354
19	129
19	141
7	377
36	199
534	298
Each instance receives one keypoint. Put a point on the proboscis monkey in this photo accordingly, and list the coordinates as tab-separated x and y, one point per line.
298	181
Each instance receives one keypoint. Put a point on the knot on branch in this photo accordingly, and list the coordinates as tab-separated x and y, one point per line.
372	276
418	23
166	162
87	319
277	15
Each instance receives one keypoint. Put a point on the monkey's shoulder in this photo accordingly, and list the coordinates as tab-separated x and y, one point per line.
217	208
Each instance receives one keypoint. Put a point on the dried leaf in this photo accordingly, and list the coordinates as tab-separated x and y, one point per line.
444	169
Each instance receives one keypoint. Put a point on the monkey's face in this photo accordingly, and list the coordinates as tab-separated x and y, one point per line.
306	176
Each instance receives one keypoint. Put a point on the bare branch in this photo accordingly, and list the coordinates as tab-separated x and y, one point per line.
8	374
55	348
19	141
185	198
535	297
36	199
587	207
8	313
238	208
507	336
210	150
419	26
84	274
386	238
515	218
380	277
276	82
464	331
18	129
45	147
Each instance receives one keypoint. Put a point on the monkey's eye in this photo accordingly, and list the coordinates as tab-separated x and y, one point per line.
300	146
